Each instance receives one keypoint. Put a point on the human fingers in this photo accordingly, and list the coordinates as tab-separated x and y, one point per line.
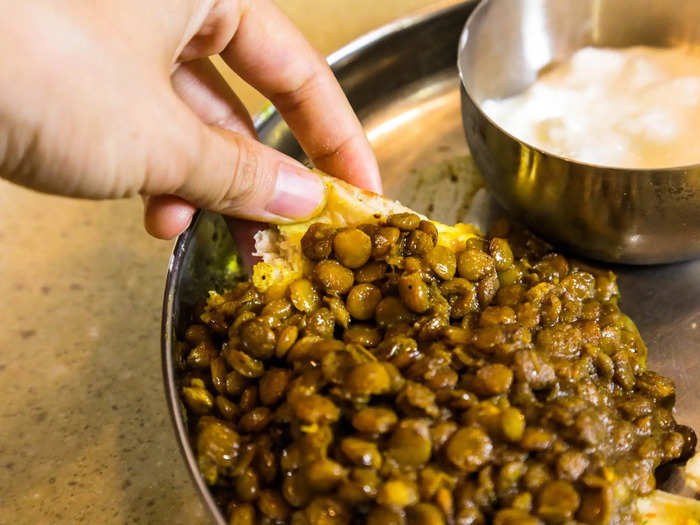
202	88
167	216
273	56
200	85
227	172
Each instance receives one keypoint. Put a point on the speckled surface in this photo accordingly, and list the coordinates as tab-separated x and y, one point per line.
84	431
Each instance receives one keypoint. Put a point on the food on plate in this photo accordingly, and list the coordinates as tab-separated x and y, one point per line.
382	368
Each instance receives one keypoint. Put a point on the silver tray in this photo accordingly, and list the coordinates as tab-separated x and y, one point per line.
402	81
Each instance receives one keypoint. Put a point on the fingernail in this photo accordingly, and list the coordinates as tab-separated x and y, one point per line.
299	193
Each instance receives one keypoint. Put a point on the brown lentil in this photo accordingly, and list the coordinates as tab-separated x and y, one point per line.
317	242
442	261
303	295
362	301
429	228
334	277
352	247
257	339
404	221
398	493
272	505
242	514
414	293
384	240
401	382
419	243
370	272
474	264
286	340
374	420
469	448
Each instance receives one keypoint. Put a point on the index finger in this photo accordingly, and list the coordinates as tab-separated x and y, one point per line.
272	55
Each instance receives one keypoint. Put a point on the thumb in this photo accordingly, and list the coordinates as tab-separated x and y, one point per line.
235	175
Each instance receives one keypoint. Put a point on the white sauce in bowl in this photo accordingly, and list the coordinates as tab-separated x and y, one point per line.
636	107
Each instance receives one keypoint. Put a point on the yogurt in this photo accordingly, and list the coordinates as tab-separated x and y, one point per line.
635	107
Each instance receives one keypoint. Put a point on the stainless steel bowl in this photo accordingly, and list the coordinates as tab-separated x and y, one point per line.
618	215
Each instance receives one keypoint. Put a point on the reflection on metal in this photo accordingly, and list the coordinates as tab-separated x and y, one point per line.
391	125
527	173
430	100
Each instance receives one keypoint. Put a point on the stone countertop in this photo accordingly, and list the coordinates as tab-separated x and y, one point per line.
85	434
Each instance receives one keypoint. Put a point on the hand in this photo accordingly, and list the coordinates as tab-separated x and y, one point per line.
108	99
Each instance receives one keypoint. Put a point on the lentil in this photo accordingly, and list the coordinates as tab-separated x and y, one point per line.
334	277
317	242
352	247
362	301
402	382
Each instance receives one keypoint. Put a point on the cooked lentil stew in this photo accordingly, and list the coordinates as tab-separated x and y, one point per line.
398	382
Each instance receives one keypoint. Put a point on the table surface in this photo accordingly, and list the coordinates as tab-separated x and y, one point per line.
85	432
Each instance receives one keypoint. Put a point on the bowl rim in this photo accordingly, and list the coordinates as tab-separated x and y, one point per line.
173	401
170	295
464	41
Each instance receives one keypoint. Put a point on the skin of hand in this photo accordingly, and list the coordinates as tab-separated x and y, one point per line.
108	99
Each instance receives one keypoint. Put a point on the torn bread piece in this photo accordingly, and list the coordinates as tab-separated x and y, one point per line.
692	473
663	508
279	246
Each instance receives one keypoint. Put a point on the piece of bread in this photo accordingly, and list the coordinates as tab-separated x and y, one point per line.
279	246
662	508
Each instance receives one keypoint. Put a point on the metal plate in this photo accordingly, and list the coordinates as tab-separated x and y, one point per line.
402	80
